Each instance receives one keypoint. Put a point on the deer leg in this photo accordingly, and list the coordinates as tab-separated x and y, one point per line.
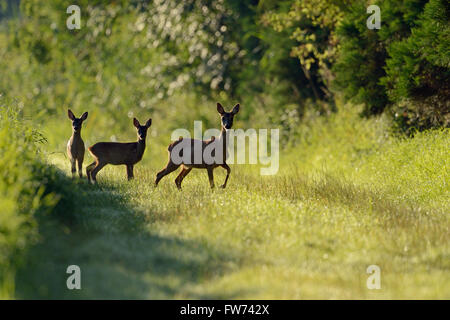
80	167
130	172
170	167
226	167
89	169
94	171
211	177
74	170
184	172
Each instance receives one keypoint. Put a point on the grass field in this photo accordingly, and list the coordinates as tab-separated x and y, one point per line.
349	195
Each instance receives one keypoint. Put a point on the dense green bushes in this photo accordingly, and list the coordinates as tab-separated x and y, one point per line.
405	64
132	58
28	190
418	71
277	58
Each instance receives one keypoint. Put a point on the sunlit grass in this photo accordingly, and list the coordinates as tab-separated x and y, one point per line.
309	232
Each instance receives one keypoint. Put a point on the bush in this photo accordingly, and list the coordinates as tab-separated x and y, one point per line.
418	71
363	55
26	192
404	65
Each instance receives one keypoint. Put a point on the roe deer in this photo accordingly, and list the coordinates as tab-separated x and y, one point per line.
219	144
75	145
117	153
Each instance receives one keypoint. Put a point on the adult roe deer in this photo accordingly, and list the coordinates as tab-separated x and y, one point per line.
75	145
218	159
117	153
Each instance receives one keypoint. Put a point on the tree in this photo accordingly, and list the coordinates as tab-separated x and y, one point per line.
362	59
418	71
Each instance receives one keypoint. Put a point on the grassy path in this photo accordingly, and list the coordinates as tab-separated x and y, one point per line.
289	236
347	197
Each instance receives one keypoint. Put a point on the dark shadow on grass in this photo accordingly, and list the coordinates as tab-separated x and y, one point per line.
120	256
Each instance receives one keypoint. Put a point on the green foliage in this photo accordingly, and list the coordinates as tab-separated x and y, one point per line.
312	25
131	59
28	189
405	64
347	195
20	193
275	57
361	60
364	52
418	71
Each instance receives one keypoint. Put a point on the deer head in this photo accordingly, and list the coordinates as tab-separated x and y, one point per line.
142	130
76	122
227	117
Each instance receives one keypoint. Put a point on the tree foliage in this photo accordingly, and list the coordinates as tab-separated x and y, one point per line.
404	65
277	57
418	71
311	24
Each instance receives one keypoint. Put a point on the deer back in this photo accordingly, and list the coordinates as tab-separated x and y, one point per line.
118	153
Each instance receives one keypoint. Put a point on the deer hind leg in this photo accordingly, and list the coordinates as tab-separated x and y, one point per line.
94	171
170	167
184	172
226	167
130	174
89	169
211	177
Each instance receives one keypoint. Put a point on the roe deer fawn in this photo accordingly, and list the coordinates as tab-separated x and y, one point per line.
218	159
75	145
117	153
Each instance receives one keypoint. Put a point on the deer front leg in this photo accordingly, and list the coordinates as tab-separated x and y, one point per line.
226	167
211	177
98	167
130	172
80	167
170	167
74	170
89	169
184	172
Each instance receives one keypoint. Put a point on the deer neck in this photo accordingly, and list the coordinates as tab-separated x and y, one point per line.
140	147
223	135
223	138
76	135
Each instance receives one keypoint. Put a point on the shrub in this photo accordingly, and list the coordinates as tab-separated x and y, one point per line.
418	71
404	65
25	191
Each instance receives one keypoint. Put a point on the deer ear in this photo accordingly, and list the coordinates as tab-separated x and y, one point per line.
70	114
235	109
136	123
84	116
220	108
148	123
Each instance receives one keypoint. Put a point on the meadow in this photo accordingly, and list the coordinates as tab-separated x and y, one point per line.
349	195
363	178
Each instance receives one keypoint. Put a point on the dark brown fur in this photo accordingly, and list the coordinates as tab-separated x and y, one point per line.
227	122
117	153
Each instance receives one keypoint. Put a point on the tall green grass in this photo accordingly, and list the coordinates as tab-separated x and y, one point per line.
347	196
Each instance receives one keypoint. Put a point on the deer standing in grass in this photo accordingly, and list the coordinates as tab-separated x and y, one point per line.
75	145
219	144
117	153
